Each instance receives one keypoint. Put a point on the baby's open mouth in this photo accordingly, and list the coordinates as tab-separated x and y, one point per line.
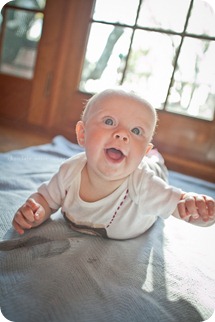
114	154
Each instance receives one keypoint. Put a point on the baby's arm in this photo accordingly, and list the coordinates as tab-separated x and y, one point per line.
196	209
32	213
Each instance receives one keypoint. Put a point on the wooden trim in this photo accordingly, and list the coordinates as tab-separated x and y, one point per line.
14	97
70	59
187	144
47	62
190	167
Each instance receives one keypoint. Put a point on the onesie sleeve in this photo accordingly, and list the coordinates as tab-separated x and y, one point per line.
53	190
153	195
161	198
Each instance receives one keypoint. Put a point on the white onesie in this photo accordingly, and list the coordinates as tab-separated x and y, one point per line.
126	213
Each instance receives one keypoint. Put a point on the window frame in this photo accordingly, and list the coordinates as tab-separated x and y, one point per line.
182	34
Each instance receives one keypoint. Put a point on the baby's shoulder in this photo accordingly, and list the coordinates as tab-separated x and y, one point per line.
73	165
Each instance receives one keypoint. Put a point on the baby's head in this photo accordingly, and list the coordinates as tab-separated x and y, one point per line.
116	129
112	95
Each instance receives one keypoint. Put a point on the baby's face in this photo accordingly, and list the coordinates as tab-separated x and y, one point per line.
116	135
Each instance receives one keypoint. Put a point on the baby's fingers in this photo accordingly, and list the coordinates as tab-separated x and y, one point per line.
36	209
196	207
26	212
20	222
20	225
18	228
187	208
205	206
32	204
202	208
210	203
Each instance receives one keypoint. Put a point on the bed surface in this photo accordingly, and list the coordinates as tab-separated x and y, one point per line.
52	273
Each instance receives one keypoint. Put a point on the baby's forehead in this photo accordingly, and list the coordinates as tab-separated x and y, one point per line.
110	99
118	99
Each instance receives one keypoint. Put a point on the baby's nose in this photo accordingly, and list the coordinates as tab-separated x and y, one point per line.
121	135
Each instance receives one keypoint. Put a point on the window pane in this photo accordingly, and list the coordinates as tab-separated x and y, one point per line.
150	65
103	67
20	39
30	4
165	14
202	20
193	92
116	11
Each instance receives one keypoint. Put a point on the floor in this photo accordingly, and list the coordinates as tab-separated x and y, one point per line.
13	139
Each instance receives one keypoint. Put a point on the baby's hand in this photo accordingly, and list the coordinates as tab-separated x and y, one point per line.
29	215
194	207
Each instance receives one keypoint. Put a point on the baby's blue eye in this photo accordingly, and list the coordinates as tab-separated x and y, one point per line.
136	131
108	121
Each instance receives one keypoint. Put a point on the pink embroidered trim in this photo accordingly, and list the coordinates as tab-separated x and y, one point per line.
121	203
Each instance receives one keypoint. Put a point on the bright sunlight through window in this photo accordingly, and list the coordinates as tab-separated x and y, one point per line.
162	49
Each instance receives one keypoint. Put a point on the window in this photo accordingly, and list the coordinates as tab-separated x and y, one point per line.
162	49
21	31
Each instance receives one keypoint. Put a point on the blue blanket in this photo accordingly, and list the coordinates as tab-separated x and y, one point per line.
53	274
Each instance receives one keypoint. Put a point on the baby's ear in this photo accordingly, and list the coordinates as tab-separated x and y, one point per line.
150	146
80	133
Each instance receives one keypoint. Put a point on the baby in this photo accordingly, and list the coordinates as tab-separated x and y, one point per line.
110	190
